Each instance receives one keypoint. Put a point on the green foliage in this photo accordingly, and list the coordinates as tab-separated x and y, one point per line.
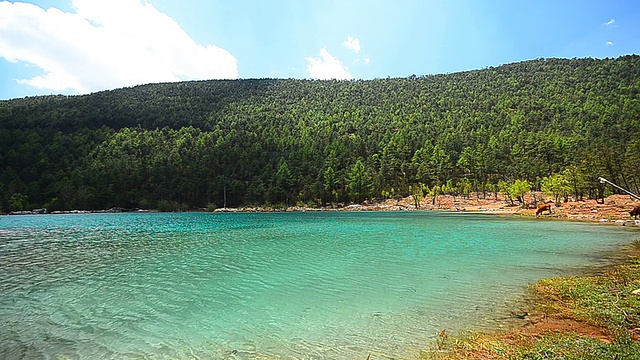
18	202
171	206
284	184
272	140
434	192
557	186
516	189
505	188
449	188
330	184
211	207
519	188
463	187
577	180
417	192
358	182
631	163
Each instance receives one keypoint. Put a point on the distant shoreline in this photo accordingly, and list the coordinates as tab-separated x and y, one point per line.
614	210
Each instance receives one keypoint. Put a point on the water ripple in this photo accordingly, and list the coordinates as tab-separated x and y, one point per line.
247	286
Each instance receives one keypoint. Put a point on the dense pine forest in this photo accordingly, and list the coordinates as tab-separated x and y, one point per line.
553	124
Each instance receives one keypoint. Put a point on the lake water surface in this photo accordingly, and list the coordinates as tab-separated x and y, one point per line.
259	286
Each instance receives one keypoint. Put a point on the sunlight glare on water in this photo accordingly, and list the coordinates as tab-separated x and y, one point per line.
290	285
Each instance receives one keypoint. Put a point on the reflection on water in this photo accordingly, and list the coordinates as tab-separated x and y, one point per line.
247	286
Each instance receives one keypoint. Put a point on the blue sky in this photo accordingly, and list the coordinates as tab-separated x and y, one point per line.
82	46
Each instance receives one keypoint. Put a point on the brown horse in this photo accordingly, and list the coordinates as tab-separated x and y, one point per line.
544	207
635	212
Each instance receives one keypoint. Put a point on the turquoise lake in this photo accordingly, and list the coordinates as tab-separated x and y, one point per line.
327	285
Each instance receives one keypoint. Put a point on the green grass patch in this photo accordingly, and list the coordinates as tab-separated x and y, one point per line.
569	346
604	302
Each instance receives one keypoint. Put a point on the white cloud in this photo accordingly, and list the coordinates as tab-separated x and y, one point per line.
609	23
327	67
609	43
105	44
353	44
367	60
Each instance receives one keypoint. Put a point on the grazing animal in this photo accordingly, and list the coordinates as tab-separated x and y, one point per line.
544	207
635	212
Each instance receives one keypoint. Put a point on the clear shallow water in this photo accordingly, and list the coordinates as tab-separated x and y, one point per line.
256	286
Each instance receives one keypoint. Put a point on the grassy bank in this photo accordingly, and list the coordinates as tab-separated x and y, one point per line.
577	317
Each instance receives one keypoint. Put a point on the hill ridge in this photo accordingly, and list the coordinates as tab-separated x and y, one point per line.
314	141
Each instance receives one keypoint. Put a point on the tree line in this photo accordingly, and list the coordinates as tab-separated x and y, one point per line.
546	124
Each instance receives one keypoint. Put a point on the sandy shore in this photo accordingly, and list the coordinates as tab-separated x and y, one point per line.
614	209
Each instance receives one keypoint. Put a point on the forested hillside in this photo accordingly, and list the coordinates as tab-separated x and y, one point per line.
272	141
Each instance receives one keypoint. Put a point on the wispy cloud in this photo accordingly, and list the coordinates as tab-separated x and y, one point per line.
353	44
609	43
327	67
609	23
105	44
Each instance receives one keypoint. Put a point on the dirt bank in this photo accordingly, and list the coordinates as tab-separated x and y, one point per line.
615	207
